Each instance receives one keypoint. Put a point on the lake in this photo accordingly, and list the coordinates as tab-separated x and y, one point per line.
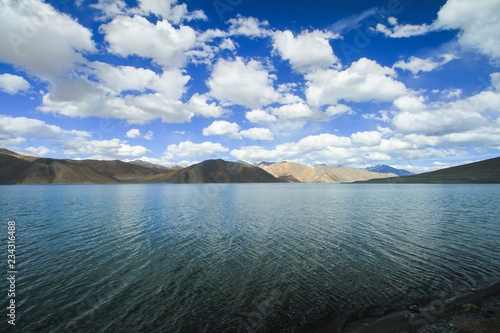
242	257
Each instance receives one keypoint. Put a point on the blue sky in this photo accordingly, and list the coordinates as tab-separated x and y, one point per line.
411	84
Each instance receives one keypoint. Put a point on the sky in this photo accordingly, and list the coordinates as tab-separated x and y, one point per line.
411	84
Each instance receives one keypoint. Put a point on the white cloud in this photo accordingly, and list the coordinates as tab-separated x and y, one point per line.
297	111
247	84
171	83
134	133
438	119
167	9
161	42
257	133
188	149
117	94
20	126
38	151
39	39
13	84
403	31
248	26
79	97
384	116
163	9
477	21
260	116
110	8
148	135
364	80
222	127
307	51
371	138
198	104
227	44
72	142
335	110
104	149
416	65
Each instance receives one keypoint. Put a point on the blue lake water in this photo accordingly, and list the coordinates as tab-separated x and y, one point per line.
241	257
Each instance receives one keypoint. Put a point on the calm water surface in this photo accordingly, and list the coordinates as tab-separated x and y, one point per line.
241	257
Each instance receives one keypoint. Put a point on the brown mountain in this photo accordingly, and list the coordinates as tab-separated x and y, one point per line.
21	169
14	170
217	171
299	173
126	172
156	166
487	171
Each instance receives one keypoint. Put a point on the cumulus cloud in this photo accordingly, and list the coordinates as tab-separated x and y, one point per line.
123	92
104	149
222	127
79	97
363	81
260	116
199	105
248	26
307	51
244	83
163	9
297	111
403	31
416	117
258	133
336	110
134	133
41	40
38	151
71	142
477	21
161	42
188	149
21	126
13	84
370	138
417	65
171	83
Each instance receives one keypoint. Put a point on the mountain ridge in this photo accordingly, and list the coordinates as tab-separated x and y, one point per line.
300	173
485	171
22	169
382	168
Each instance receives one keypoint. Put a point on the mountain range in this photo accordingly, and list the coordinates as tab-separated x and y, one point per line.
22	169
299	173
389	169
487	171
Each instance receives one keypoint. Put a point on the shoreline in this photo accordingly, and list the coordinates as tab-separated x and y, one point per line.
475	311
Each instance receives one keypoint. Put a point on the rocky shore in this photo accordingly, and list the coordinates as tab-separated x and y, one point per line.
478	311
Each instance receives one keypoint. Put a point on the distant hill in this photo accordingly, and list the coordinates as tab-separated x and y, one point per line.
122	171
300	173
21	169
14	170
156	166
389	169
218	171
487	171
